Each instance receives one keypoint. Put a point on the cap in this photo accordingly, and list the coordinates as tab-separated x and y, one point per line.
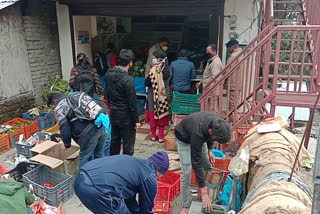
160	161
232	42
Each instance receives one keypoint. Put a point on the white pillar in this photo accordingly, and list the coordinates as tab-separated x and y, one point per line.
65	41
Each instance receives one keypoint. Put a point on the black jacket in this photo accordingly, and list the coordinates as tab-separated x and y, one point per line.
194	130
121	95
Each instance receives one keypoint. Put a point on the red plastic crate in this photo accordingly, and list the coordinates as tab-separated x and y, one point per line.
28	130
224	165
15	134
172	180
162	201
4	143
193	178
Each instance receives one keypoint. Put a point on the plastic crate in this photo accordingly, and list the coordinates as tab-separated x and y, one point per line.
162	201
185	107
177	118
21	169
193	178
193	98
28	130
61	191
172	180
222	164
53	129
4	143
45	120
14	136
25	150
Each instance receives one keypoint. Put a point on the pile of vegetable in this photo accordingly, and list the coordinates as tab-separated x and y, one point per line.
138	69
40	207
57	85
21	124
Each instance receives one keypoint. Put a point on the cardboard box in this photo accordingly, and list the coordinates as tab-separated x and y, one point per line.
54	155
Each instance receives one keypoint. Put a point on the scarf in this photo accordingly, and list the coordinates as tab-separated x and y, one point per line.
161	107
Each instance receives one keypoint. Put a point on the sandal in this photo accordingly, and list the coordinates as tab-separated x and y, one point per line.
161	140
153	138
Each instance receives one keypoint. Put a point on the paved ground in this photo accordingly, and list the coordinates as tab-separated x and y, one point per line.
143	149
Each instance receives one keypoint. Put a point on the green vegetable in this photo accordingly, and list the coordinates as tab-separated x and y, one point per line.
138	69
57	85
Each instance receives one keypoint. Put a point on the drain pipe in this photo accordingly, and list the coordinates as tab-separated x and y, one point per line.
316	179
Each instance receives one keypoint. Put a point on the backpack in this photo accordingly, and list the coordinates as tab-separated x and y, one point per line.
100	63
84	107
84	82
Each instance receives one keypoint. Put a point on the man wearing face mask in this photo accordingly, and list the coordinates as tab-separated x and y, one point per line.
162	45
213	67
121	95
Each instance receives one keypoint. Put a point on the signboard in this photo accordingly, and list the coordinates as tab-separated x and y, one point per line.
83	37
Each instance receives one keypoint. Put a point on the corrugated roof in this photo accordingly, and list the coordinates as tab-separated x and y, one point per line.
7	3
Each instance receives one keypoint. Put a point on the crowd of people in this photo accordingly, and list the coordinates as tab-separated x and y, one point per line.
110	184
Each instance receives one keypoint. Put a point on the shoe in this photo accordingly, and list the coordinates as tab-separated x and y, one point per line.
161	140
153	138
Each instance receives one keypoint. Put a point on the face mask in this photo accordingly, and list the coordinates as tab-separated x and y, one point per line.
164	63
164	48
154	61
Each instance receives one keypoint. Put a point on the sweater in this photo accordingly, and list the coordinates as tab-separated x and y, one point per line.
194	130
124	176
14	198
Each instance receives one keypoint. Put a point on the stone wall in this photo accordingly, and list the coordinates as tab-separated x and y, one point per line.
41	33
15	106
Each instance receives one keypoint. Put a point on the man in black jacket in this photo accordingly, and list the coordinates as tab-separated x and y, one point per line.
121	95
195	135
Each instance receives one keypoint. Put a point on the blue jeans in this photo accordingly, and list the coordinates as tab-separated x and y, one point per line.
100	201
95	145
184	151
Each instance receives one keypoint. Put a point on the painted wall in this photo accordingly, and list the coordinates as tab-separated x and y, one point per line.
84	23
15	76
239	18
65	43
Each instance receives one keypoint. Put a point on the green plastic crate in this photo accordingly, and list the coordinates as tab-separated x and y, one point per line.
185	107
179	97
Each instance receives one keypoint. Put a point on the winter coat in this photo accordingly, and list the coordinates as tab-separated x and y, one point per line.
233	80
121	95
14	198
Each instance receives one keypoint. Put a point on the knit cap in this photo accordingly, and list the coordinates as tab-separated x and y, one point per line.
160	161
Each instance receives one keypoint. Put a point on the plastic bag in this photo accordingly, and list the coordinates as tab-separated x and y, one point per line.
239	165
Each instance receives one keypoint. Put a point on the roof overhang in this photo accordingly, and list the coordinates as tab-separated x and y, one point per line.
145	7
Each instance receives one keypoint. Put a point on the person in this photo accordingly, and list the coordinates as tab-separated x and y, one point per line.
158	83
14	197
77	114
121	95
110	184
213	67
110	62
235	50
183	71
194	136
91	83
162	45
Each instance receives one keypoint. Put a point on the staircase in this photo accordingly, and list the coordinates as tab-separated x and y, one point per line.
286	52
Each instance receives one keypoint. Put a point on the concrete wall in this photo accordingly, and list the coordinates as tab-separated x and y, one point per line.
82	23
245	11
65	43
14	65
41	30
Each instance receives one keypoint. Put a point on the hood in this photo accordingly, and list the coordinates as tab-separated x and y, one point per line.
117	74
9	188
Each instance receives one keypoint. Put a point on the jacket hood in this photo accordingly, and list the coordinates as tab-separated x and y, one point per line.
117	74
9	188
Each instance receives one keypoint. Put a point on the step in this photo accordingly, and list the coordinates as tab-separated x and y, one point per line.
287	2
291	11
295	100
